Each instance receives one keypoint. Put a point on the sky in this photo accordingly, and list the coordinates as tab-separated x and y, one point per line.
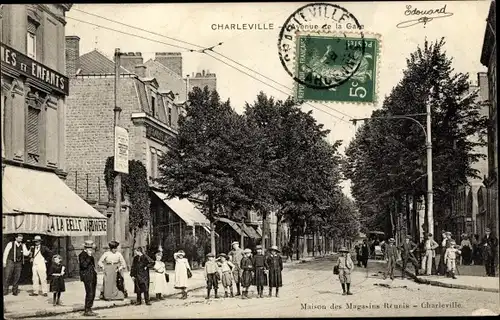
258	50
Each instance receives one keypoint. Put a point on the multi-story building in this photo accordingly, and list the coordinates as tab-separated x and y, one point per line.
202	79
34	87
489	59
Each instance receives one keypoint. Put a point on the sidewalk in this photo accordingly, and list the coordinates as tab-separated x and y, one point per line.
466	282
23	306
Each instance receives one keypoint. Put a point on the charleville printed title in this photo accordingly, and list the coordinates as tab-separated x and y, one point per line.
385	305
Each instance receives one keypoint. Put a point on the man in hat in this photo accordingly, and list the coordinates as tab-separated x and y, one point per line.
88	276
489	245
275	267
391	256
13	260
407	248
40	256
444	245
345	265
236	254
429	248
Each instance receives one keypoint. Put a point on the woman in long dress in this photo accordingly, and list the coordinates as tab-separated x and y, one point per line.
159	278
112	262
181	270
466	248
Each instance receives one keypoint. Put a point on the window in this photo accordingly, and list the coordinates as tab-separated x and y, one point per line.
153	105
31	39
33	134
169	115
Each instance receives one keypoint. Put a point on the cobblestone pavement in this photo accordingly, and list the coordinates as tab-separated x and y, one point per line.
311	290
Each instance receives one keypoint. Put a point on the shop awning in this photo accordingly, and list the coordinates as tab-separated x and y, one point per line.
250	231
39	202
235	226
185	209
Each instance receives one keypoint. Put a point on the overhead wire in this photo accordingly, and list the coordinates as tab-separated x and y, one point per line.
203	50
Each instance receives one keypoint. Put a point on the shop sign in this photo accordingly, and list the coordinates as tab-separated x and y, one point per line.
33	69
156	134
75	226
121	150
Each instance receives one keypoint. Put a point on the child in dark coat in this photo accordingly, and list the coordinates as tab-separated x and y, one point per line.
275	265
140	275
56	274
246	276
260	267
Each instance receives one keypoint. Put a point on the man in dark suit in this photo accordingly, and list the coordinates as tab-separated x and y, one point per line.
489	246
391	256
407	248
40	256
88	276
364	250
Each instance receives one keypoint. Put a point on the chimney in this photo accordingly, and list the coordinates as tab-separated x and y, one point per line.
482	82
72	55
140	70
130	60
203	72
171	60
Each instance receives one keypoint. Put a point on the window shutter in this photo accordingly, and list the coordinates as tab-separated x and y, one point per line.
31	27
33	138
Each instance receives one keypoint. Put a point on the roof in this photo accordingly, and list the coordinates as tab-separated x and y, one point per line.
173	82
95	62
185	210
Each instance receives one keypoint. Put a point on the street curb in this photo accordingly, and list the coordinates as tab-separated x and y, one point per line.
446	285
48	313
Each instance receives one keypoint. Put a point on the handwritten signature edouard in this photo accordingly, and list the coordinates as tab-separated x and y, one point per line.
426	16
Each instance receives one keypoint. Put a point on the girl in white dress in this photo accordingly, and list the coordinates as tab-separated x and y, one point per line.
182	269
159	278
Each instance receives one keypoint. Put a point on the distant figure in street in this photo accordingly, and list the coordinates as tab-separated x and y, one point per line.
212	274
466	248
260	266
364	253
236	254
450	259
275	265
160	277
112	263
391	256
13	260
476	250
407	248
182	268
56	273
247	268
88	276
226	268
345	266
429	254
489	246
139	272
357	248
40	256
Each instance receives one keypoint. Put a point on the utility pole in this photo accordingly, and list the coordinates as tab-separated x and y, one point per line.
430	194
118	179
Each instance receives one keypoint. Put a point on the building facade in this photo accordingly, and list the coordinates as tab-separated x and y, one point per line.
489	59
34	87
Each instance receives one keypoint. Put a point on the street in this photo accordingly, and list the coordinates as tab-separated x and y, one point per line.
311	290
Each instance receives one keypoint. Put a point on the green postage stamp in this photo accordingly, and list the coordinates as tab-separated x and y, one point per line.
342	57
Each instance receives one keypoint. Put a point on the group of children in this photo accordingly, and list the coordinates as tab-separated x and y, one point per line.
252	270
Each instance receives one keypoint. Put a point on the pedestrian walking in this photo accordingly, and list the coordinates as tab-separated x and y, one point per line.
407	248
13	260
345	267
261	269
140	275
226	268
275	267
182	272
236	254
357	249
212	275
466	248
88	276
489	247
429	246
40	256
364	253
391	256
160	277
246	275
56	273
112	263
450	259
442	249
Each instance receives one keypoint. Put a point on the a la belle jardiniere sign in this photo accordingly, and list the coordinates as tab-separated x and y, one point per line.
13	59
76	226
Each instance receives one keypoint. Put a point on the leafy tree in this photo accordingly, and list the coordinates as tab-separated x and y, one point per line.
387	158
206	156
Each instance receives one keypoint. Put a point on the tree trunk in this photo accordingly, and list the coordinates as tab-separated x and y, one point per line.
264	230
314	243
278	230
304	251
212	223
297	241
134	239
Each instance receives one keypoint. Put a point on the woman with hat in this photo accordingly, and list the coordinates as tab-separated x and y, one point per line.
112	262
226	268
246	276
345	266
275	267
182	268
260	266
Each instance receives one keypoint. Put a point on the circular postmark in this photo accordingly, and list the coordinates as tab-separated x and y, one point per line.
314	48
